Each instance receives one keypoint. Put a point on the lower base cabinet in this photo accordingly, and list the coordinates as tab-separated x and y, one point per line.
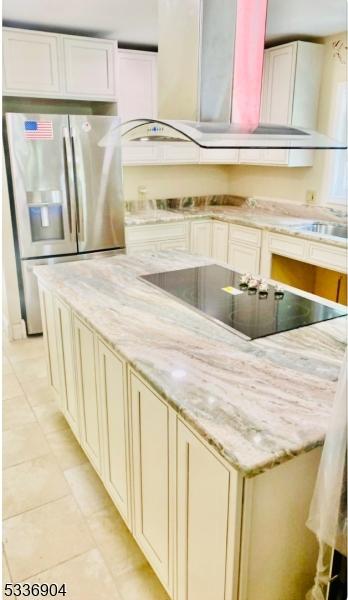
208	495
87	392
244	258
153	472
112	379
66	364
208	532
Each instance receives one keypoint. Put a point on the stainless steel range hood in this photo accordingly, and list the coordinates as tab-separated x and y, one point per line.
226	135
210	77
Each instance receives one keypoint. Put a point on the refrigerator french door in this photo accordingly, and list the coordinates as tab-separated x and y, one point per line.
67	193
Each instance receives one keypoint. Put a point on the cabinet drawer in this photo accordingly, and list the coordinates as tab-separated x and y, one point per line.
155	232
273	156
140	153
328	256
250	235
286	245
180	152
218	156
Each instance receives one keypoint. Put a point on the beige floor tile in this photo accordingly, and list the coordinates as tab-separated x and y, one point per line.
22	349
32	484
6	366
10	386
49	417
86	578
39	539
141	584
16	412
23	443
66	449
116	543
87	489
31	368
38	391
6	577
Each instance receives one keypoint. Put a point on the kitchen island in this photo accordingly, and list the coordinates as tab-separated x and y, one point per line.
207	443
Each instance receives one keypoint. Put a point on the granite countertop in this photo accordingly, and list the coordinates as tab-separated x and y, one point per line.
234	214
257	402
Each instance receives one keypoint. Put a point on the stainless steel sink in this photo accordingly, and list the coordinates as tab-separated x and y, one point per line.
333	229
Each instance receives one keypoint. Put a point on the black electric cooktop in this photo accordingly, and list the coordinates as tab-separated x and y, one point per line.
216	292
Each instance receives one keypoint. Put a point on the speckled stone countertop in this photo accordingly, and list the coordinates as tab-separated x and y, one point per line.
257	402
234	214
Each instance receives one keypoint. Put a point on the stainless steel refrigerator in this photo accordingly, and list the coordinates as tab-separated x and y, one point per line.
67	194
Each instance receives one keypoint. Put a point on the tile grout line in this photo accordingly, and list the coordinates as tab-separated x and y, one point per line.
28	510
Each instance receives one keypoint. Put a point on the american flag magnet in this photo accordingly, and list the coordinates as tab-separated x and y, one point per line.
38	130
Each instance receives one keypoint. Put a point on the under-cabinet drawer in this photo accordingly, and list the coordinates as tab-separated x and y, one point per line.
328	256
160	232
286	245
218	155
249	235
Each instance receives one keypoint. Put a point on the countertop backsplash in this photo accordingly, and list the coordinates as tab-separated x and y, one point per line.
264	205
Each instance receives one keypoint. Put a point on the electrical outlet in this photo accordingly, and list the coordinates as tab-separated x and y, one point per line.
311	196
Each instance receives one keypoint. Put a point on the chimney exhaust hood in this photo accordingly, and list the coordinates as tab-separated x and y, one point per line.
210	76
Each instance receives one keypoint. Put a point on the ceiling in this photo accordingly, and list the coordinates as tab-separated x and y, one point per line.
134	22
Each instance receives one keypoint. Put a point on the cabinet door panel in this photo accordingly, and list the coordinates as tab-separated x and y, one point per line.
204	522
87	392
49	332
201	238
137	73
244	258
150	430
220	241
66	361
89	67
113	402
30	63
278	84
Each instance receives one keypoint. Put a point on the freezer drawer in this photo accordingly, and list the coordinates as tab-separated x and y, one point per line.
30	285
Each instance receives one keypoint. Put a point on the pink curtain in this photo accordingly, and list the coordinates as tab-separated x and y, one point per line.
248	62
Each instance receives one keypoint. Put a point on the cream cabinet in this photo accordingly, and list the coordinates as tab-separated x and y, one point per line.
208	509
290	95
153	470
66	363
219	244
89	65
244	258
86	376
244	248
31	63
204	528
166	236
112	392
201	237
50	338
53	65
137	84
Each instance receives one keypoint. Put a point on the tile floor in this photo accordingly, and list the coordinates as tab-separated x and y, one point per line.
60	525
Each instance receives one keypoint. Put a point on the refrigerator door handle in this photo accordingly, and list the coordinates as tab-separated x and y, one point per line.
79	213
68	161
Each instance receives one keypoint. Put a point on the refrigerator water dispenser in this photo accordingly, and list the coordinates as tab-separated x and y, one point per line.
46	222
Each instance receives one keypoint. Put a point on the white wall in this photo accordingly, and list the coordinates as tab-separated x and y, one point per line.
175	181
292	183
11	311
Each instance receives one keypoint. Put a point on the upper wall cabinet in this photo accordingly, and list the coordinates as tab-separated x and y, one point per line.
290	96
51	65
137	84
31	66
89	67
